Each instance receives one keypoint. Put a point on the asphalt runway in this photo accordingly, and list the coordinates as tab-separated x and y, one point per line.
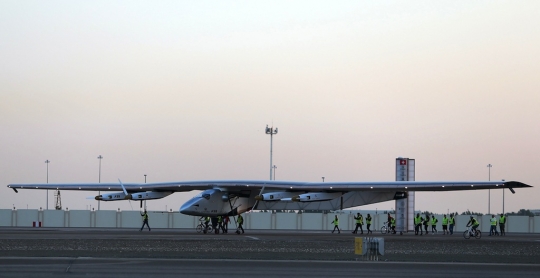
99	267
51	252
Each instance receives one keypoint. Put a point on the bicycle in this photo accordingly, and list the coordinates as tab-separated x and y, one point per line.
201	228
469	232
385	229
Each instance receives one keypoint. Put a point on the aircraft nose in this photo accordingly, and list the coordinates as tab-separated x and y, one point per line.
189	208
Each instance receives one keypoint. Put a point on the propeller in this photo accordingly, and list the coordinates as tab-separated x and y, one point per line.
257	201
123	188
128	197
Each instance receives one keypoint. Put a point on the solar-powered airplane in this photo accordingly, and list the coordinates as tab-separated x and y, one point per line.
233	197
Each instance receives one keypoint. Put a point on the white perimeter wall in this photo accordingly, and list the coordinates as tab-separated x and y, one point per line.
255	220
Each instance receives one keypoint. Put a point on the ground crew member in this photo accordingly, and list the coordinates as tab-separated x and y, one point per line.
393	224
474	223
240	223
444	225
502	221
418	224
220	224
226	221
452	222
434	222
206	222
336	225
368	224
493	228
359	222
145	221
426	223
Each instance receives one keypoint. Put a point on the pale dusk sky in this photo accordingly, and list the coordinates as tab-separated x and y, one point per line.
182	90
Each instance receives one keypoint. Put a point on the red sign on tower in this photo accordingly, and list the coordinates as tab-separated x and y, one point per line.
403	162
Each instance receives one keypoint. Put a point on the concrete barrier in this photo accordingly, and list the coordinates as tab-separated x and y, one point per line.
517	224
5	218
53	218
26	217
255	220
79	218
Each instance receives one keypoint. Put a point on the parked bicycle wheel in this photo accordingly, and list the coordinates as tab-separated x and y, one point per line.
478	234
466	234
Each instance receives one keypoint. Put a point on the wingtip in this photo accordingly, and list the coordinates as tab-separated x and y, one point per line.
516	184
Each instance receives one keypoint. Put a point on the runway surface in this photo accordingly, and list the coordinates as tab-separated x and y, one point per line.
97	267
52	252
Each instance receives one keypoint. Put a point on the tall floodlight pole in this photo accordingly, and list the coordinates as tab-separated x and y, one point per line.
271	131
489	190
47	202
99	178
274	167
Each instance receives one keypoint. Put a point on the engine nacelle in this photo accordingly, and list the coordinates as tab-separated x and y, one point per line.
276	196
116	196
316	196
148	195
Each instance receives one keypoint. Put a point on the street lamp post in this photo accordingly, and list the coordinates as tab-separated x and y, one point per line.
271	131
274	167
47	202
489	190
99	178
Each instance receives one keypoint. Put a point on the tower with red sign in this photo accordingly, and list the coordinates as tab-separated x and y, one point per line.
405	202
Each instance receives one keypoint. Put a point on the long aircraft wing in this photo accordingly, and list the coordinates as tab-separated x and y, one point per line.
184	186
